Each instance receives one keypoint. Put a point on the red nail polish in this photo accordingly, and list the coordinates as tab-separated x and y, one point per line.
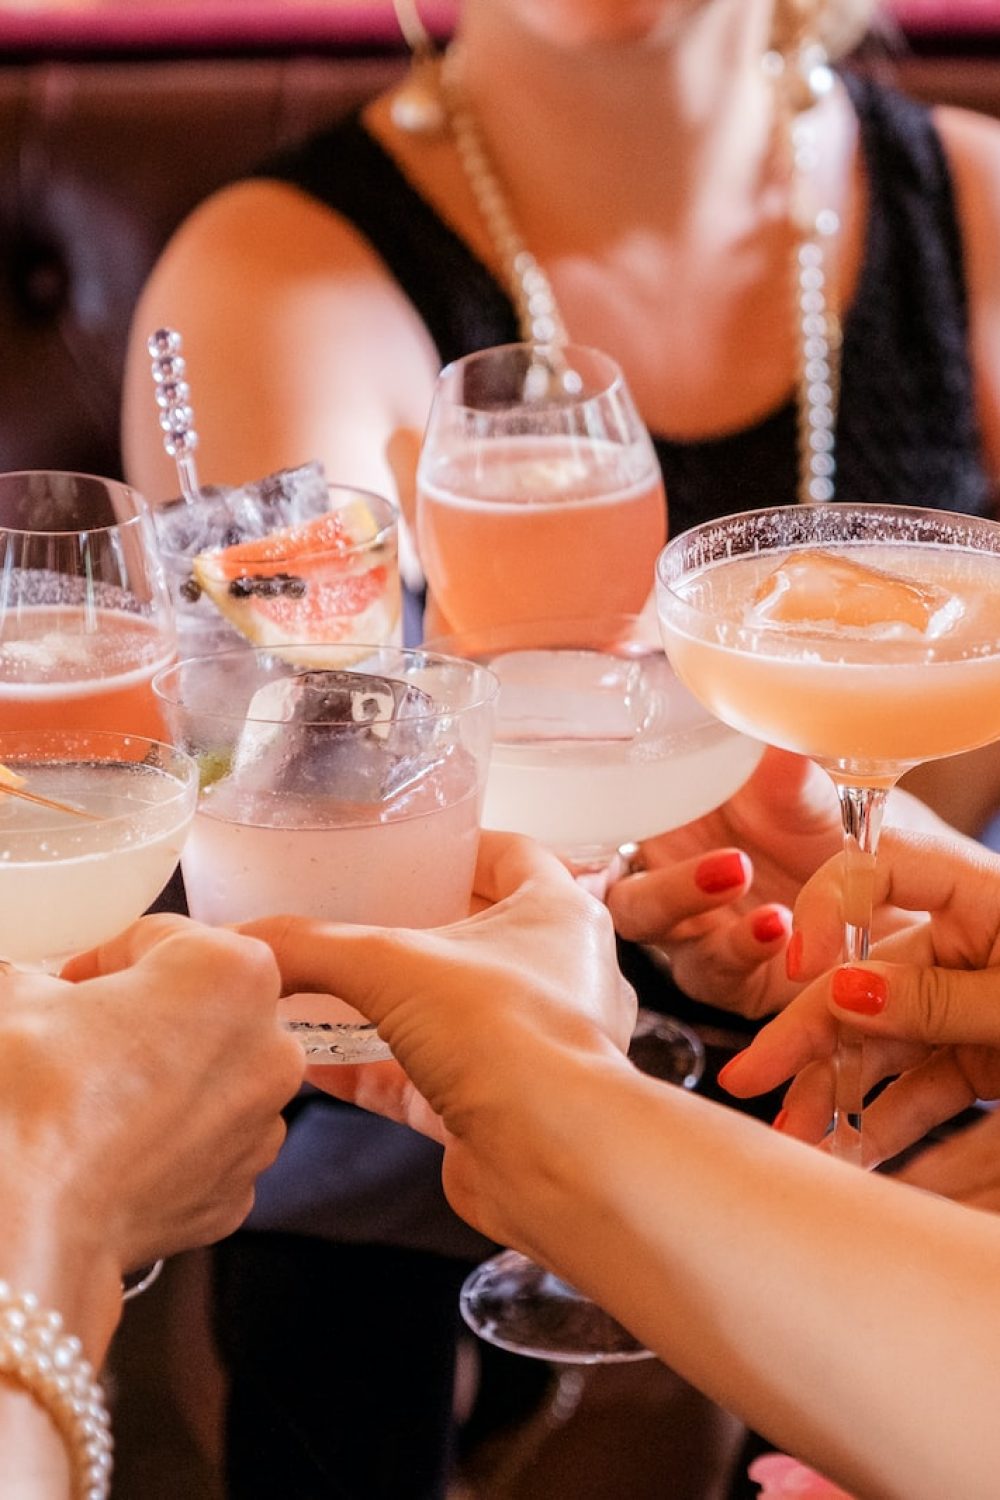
859	990
720	872
778	1123
767	926
720	1077
793	956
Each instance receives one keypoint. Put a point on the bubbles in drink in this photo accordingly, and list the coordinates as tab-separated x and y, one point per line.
821	591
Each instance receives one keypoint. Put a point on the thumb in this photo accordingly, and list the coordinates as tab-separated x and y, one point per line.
913	1003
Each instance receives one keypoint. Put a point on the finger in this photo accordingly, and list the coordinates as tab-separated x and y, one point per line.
932	1005
963	1167
506	861
923	1098
647	906
402	451
126	949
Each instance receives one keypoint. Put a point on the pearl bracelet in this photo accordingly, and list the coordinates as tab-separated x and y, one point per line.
37	1354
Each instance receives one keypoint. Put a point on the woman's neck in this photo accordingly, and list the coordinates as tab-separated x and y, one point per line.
688	111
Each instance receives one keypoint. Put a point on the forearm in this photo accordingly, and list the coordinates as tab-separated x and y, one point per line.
849	1319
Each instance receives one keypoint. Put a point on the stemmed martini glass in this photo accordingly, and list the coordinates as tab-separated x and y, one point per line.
866	637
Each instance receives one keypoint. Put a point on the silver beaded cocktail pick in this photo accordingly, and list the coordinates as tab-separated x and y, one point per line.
173	398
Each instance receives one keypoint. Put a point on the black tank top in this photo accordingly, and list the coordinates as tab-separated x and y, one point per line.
907	427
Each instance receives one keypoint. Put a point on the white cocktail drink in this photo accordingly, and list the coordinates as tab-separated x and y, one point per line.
69	882
537	528
346	795
409	863
907	672
623	755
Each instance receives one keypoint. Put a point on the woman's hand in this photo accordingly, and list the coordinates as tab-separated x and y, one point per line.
927	1004
471	1011
715	895
146	1093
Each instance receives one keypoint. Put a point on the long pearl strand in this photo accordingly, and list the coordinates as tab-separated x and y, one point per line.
801	81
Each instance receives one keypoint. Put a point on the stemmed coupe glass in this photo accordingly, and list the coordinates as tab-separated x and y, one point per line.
91	828
596	743
85	617
539	494
866	637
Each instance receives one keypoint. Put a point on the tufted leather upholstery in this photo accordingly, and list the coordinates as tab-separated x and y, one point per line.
98	164
99	161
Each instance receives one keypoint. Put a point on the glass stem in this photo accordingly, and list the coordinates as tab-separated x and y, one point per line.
861	810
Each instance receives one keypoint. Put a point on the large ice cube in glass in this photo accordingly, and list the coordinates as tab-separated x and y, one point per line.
354	736
225	515
569	695
820	590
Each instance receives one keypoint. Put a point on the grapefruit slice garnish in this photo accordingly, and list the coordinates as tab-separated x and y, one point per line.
321	584
10	778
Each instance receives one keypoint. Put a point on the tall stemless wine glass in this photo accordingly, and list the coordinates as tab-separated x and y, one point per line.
85	618
350	794
596	743
539	494
866	637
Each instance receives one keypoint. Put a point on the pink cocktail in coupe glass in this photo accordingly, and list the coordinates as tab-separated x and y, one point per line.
539	494
352	795
865	637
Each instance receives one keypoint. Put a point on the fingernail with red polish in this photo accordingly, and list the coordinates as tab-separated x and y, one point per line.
767	926
778	1123
859	990
721	1075
793	956
720	872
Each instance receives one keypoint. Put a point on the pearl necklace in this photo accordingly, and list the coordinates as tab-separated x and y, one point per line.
800	83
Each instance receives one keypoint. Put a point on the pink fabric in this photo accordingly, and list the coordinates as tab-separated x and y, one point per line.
948	15
783	1478
210	25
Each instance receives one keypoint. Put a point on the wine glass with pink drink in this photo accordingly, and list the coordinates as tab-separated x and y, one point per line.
539	494
866	637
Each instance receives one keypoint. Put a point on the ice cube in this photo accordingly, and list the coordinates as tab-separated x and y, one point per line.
817	589
287	744
569	695
225	515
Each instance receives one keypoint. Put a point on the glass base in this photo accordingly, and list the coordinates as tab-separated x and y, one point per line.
323	1042
513	1303
667	1049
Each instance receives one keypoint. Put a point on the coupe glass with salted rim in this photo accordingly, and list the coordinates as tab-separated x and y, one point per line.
596	743
866	637
350	794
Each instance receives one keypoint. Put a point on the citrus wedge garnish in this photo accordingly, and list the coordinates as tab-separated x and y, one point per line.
10	778
307	584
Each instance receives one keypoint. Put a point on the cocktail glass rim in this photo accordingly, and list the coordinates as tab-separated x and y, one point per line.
141	514
488	695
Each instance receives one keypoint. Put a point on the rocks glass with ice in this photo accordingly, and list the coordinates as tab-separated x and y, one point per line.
346	794
287	557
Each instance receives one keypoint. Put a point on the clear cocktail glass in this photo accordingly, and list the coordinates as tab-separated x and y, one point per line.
596	744
866	637
85	616
539	494
350	795
74	875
